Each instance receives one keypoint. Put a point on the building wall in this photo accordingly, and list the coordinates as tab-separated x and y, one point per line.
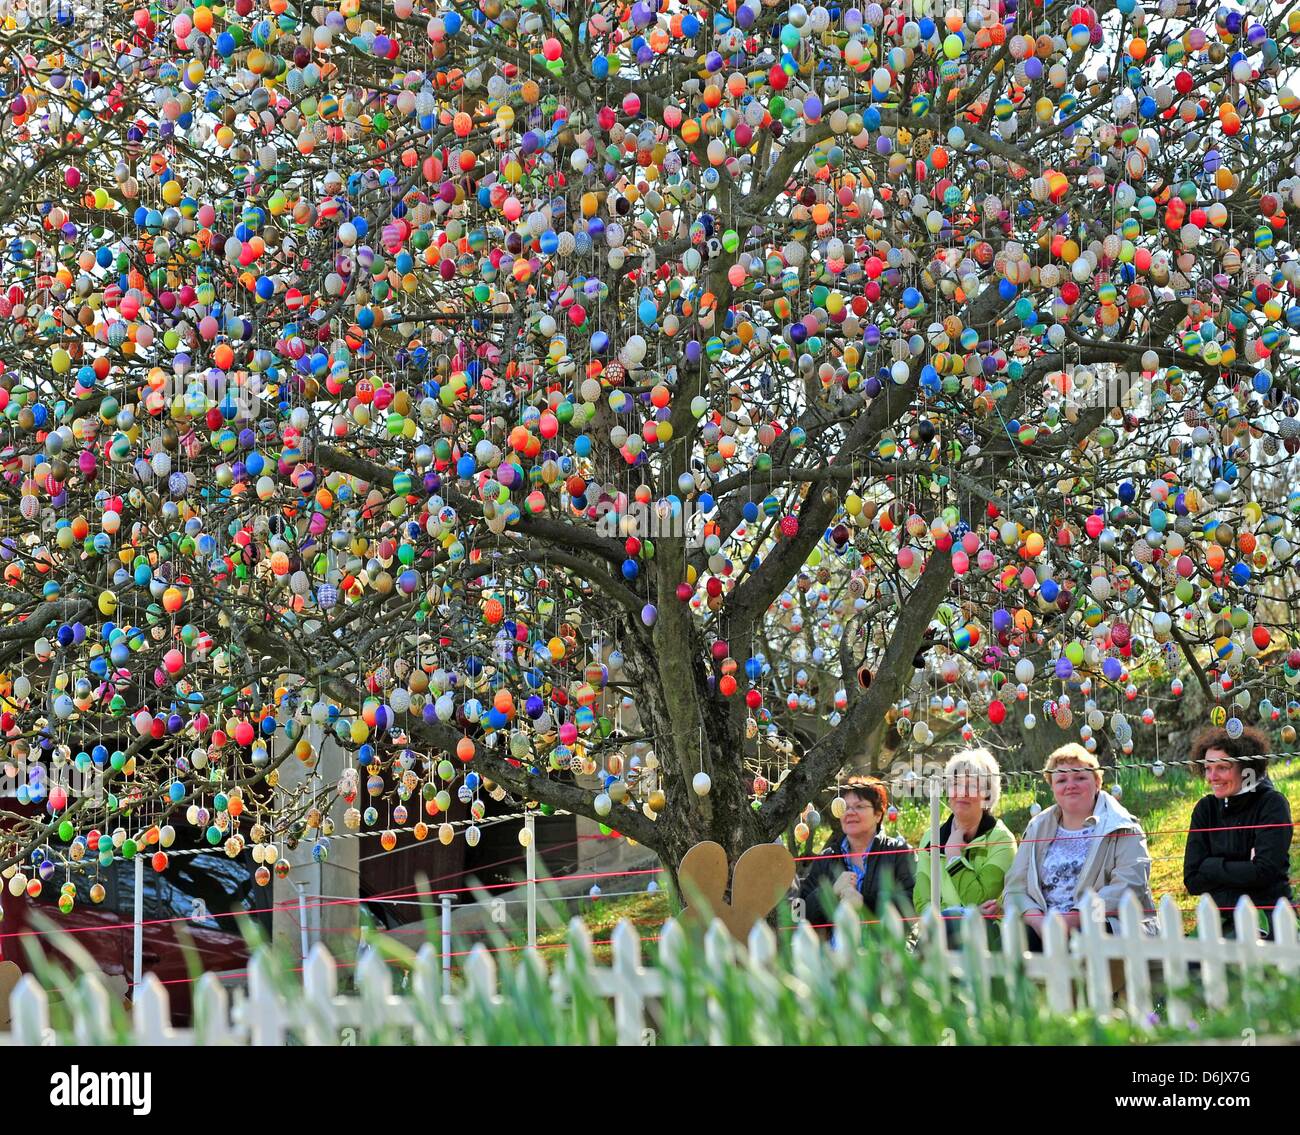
316	883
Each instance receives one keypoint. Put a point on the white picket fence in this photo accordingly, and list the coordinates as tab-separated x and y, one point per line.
1073	971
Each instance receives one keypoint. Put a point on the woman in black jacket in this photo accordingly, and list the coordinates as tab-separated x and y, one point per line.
1241	838
862	866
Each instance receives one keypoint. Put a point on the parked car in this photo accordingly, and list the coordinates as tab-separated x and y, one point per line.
190	920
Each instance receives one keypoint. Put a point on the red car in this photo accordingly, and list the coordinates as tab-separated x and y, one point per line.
182	930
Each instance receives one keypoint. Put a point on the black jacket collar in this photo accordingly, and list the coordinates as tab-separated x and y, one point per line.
1245	800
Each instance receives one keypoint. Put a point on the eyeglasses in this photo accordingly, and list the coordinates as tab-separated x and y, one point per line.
861	806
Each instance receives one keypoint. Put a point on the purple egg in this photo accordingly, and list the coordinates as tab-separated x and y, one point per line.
1064	668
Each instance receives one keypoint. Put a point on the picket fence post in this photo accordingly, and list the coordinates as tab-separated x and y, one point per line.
212	1014
92	1022
626	983
1057	963
1174	950
374	988
1209	940
151	1015
976	960
1285	946
30	1014
1134	943
262	1009
320	985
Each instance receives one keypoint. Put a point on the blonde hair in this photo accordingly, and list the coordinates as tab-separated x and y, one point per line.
1072	754
977	766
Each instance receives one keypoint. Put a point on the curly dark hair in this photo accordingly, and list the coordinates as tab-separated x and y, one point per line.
1248	749
869	789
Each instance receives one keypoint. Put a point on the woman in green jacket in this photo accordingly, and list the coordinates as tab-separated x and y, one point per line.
976	850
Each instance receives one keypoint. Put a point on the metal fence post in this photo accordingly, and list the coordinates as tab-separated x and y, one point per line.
446	943
531	860
936	890
137	951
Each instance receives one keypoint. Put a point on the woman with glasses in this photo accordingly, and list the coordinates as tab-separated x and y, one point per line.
863	867
1086	841
976	849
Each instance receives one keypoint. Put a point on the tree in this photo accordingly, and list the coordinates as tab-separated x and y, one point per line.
606	395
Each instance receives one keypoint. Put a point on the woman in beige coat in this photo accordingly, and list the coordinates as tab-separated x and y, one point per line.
1086	841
